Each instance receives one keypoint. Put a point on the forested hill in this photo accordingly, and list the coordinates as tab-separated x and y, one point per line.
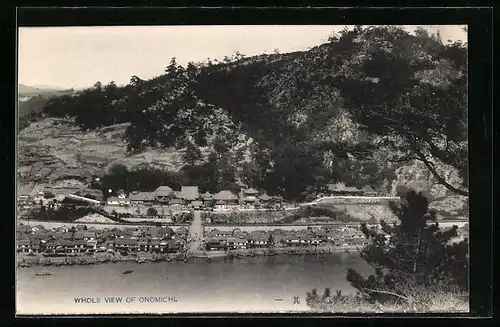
358	109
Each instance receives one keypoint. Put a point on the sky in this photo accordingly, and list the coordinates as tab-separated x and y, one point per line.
77	57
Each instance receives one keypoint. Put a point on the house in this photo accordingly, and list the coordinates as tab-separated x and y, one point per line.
320	235
163	194
197	204
368	190
249	197
356	241
220	205
123	200
176	244
154	246
142	198
50	247
231	243
258	239
80	227
181	232
39	198
23	199
127	231
189	194
89	236
153	232
143	244
342	189
137	234
292	240
127	245
91	245
109	244
166	232
215	243
219	233
23	246
265	200
225	199
113	201
176	201
42	237
164	246
241	242
208	199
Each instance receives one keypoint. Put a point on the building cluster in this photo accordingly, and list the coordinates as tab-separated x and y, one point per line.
190	196
80	240
341	189
237	239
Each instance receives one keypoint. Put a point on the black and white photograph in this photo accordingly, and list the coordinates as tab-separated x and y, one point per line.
242	169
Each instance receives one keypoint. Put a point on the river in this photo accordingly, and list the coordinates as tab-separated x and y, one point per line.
224	285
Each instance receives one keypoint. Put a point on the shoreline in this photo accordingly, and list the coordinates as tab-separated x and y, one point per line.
36	260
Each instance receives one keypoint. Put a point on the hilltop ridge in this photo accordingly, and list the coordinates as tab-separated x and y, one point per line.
287	123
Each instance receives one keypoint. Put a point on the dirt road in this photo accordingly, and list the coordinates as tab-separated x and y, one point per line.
196	232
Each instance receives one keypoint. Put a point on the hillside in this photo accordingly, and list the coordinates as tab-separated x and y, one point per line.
347	110
32	99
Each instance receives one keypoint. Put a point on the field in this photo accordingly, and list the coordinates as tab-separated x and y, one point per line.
52	148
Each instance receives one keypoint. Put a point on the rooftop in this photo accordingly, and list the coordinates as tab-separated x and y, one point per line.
163	191
142	196
190	193
225	195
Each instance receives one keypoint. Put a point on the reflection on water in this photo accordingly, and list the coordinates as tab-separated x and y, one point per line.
224	285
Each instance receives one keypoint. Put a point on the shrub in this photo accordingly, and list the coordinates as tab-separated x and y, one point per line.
411	255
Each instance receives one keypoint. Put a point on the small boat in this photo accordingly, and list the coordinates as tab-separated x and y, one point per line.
127	272
44	273
141	260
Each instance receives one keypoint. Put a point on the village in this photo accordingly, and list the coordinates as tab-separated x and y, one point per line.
81	240
199	234
164	198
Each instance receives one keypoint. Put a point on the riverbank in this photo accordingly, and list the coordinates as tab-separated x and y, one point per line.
28	260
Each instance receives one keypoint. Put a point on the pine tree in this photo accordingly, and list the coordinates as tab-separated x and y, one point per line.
412	254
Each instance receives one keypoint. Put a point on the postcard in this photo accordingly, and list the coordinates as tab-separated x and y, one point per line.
242	169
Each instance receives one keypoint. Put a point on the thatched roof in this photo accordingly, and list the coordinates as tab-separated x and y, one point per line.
207	196
190	193
251	191
163	191
142	196
225	196
265	197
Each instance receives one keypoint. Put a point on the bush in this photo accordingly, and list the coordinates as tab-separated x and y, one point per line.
152	212
415	262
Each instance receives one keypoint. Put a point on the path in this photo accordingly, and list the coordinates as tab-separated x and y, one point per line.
196	232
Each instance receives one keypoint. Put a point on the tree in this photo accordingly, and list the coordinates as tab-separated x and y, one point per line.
412	254
152	212
191	154
49	195
411	91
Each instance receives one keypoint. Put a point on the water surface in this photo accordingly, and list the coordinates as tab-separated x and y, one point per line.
224	285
